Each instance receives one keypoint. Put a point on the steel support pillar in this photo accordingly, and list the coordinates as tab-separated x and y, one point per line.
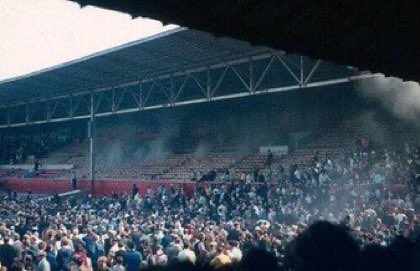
91	141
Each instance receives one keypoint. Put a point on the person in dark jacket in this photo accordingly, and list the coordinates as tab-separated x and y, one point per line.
134	190
94	249
90	243
64	256
132	258
7	253
51	258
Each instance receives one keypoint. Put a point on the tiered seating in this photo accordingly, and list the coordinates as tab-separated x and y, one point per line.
332	142
203	164
150	169
9	173
248	164
43	173
177	167
344	138
67	154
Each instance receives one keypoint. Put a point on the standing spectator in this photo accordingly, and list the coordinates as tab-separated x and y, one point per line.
43	264
51	258
158	258
193	175
187	255
7	253
119	265
74	182
135	190
270	158
132	258
222	259
64	255
102	264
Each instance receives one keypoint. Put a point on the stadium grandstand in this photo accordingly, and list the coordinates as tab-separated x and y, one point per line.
176	68
189	152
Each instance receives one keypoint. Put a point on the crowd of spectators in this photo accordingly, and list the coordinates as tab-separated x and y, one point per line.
339	213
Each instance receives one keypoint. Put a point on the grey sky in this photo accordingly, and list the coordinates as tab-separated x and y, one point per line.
36	34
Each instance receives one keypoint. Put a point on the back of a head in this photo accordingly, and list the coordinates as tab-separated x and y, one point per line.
186	265
6	239
258	259
130	245
377	257
405	253
177	265
323	246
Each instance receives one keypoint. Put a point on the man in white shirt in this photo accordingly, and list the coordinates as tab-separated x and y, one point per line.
221	211
187	255
43	265
234	252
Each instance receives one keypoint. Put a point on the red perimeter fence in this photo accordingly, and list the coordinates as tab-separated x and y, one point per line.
101	187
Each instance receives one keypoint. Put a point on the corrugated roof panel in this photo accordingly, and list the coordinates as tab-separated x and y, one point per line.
166	53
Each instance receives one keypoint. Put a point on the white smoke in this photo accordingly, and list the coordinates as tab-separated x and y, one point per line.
400	98
157	149
372	128
113	153
201	151
152	150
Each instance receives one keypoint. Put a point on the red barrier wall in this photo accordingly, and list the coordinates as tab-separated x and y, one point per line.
101	187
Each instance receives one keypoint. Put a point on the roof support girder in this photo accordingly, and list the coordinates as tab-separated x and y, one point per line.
207	83
186	102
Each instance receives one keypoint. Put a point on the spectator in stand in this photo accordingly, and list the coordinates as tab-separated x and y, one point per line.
74	182
270	158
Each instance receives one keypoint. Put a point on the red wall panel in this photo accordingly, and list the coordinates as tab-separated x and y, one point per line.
101	187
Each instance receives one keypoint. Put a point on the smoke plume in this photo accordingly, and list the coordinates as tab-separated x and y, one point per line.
400	98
